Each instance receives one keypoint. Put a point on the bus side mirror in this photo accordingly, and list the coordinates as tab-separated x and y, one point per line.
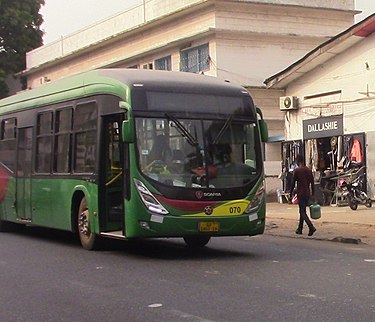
128	134
128	131
263	128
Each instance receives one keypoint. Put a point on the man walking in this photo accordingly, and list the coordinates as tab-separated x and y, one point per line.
303	176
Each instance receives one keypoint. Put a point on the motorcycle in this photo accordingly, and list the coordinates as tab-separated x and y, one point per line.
354	193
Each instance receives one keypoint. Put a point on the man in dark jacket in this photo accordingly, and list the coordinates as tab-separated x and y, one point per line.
303	176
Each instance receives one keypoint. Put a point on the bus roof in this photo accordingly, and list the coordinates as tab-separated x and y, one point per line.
118	82
172	81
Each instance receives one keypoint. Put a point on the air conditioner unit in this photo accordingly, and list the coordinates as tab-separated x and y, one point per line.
288	103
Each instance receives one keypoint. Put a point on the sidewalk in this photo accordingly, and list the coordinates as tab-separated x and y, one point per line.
339	224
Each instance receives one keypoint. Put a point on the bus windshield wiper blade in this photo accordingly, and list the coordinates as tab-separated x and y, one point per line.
223	129
182	130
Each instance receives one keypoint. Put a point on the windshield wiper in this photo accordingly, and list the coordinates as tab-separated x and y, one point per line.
223	129
182	130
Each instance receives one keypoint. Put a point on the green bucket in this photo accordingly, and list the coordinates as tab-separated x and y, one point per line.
315	212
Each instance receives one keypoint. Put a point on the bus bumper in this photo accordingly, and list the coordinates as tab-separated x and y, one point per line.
176	226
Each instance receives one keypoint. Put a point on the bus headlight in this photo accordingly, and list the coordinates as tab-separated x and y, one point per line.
257	200
151	203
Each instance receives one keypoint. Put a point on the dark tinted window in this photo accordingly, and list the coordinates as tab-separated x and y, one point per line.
85	117
63	137
64	120
45	123
85	128
8	129
200	103
8	143
44	142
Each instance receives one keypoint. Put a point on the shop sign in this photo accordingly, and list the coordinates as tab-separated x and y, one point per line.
323	127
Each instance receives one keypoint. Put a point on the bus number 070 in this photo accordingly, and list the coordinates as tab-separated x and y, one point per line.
234	210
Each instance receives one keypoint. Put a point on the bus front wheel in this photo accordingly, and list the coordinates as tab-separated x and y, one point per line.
197	241
88	239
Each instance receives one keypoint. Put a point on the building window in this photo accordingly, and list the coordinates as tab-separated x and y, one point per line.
195	60
147	66
163	63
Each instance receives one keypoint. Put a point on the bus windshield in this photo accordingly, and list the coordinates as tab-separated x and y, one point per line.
198	153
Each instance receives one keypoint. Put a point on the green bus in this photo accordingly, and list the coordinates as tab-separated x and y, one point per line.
127	153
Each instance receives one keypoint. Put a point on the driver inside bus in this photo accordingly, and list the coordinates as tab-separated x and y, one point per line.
160	155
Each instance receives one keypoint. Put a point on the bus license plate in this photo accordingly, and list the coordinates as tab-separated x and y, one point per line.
209	226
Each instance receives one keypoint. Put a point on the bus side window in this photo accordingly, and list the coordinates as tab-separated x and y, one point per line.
63	139
85	132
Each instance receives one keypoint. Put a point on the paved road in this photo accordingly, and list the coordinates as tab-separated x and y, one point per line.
47	276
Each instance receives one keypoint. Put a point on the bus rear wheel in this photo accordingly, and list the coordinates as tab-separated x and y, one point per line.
89	240
197	241
4	226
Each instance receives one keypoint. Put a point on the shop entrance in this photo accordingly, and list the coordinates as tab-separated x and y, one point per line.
334	161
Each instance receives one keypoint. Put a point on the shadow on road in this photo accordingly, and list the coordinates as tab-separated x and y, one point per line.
163	248
172	249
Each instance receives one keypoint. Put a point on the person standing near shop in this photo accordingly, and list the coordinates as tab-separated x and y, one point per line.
303	176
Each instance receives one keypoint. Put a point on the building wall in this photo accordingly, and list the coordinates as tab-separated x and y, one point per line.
132	48
131	19
153	10
353	73
273	35
257	55
281	19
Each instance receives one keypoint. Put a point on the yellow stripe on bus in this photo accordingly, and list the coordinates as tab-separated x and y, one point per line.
231	208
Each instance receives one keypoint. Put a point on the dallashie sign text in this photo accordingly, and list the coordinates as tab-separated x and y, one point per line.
323	127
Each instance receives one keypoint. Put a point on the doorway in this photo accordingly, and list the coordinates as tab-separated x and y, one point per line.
112	175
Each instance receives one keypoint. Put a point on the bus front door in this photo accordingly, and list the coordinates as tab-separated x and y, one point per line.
112	176
23	183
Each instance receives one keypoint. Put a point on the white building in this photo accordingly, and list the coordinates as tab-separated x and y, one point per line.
332	95
242	41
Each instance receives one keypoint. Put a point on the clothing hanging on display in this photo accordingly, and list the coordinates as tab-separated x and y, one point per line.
356	152
311	153
339	148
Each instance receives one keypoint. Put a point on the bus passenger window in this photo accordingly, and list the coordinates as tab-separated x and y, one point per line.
63	139
44	142
85	128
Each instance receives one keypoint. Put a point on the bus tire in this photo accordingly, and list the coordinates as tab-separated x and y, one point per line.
197	241
4	226
89	240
